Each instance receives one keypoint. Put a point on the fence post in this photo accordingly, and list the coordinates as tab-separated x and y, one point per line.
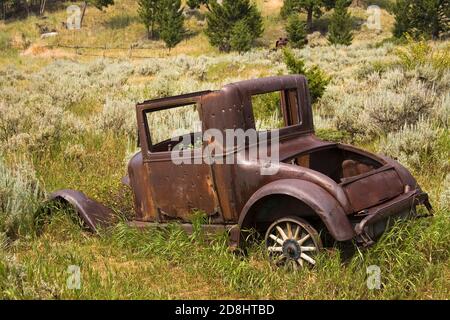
131	52
104	51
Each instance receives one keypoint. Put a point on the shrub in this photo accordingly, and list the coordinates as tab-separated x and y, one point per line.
117	116
390	110
223	17
421	18
444	199
419	53
172	23
241	37
20	195
35	125
296	30
413	145
383	104
317	79
340	29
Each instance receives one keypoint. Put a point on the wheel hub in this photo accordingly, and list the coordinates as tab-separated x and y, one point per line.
291	249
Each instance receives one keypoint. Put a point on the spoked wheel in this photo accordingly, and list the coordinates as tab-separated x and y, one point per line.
292	242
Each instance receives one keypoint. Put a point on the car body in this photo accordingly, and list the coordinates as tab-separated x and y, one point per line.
321	189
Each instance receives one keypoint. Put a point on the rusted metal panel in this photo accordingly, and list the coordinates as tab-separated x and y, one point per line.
92	213
181	189
373	189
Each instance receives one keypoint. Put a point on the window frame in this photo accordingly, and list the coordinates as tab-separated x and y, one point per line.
142	109
284	108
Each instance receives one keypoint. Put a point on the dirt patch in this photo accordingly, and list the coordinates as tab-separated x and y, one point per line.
38	50
272	6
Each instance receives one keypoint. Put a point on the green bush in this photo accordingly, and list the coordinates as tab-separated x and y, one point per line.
429	18
419	53
241	37
414	145
296	30
317	79
222	19
19	198
340	29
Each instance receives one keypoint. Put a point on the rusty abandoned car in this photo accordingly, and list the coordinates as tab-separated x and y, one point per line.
323	192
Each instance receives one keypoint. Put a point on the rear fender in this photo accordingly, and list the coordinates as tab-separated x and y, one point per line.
93	213
325	206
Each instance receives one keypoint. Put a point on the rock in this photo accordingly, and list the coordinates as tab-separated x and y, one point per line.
49	35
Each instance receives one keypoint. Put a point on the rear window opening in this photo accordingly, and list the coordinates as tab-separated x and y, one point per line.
336	163
269	112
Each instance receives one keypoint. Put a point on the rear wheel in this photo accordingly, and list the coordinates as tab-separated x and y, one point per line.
292	242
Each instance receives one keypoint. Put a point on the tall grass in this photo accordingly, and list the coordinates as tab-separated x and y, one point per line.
20	195
125	262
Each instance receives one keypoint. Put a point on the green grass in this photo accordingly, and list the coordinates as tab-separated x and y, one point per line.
127	263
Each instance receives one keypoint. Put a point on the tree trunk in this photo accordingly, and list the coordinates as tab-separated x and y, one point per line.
152	30
83	13
42	7
27	7
436	28
309	20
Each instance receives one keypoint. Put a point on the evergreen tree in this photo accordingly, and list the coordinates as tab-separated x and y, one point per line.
429	18
223	17
241	37
296	30
310	7
172	22
149	11
193	4
317	79
340	29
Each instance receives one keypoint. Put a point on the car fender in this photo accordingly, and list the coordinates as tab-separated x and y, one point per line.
321	202
93	213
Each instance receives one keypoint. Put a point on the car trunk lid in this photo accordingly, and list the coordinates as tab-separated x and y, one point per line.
372	188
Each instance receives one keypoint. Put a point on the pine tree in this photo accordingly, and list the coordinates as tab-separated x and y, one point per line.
310	7
223	17
172	22
429	18
241	37
193	4
317	79
149	15
296	30
340	29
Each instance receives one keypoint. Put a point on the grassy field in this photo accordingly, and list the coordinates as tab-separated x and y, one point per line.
67	121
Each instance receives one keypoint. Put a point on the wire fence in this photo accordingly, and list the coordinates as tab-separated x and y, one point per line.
130	52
